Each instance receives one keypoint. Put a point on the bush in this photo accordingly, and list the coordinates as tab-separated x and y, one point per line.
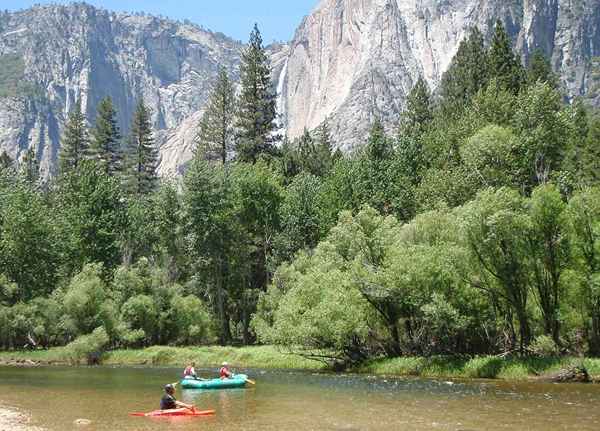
84	299
89	347
544	346
191	319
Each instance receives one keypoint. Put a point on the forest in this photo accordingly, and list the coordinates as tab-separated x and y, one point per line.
471	227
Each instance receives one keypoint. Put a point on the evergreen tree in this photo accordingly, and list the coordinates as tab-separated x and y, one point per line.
540	70
75	140
30	168
6	162
591	152
256	113
104	147
324	148
142	153
418	114
467	74
216	136
504	65
378	146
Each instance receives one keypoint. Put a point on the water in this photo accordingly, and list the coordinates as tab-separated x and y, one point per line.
55	397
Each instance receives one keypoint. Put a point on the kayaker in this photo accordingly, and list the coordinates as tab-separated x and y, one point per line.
168	401
190	372
224	371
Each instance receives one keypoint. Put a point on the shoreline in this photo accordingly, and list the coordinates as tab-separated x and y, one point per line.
270	357
13	419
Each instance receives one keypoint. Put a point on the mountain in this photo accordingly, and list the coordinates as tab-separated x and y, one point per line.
349	61
67	52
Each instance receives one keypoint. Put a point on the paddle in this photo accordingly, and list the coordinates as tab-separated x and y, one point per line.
252	382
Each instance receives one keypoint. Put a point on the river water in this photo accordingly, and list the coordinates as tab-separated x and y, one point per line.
56	397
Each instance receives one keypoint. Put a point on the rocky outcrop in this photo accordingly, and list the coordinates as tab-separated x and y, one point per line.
80	51
351	60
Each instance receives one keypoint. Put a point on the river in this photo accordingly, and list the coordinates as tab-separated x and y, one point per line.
56	396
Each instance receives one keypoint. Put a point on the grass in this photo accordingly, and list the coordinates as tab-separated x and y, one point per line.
270	357
212	356
481	367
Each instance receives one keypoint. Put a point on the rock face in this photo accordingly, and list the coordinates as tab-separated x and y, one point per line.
351	60
76	51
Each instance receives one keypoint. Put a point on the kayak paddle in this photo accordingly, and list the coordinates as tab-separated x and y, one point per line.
252	382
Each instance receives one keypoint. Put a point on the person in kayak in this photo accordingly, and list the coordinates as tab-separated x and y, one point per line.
190	372
224	372
168	401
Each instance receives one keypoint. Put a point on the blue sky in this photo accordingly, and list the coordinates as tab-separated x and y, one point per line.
277	19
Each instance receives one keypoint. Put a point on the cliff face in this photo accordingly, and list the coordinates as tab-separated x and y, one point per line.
349	60
75	51
353	59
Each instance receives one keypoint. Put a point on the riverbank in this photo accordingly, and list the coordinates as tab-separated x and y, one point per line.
11	419
270	357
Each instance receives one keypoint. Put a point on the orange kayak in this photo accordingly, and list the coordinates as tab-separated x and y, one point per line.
175	412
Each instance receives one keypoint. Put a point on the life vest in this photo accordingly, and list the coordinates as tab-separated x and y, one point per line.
224	372
188	371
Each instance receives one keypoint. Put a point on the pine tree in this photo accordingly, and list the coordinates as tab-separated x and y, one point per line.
324	148
466	75
216	135
591	152
540	70
256	113
6	162
418	114
104	147
378	146
30	168
142	153
504	65
75	140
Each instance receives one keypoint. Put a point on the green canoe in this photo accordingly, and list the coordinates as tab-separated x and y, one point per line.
237	381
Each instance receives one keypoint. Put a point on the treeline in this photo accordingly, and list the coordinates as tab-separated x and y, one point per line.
473	228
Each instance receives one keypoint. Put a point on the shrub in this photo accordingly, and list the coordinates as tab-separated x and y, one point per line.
544	346
89	347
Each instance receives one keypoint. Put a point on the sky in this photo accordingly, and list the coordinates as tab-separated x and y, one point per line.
277	19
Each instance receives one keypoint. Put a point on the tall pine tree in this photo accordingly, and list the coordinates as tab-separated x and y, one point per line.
540	69
30	168
504	65
256	113
378	146
467	74
75	141
142	154
216	138
419	113
104	147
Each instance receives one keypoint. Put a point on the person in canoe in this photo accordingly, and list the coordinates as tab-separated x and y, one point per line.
190	372
224	372
168	401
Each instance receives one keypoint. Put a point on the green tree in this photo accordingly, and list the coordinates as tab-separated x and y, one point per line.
92	216
30	253
493	227
466	75
550	252
378	145
75	141
213	235
504	65
418	114
584	224
105	142
30	168
540	70
256	113
216	135
142	178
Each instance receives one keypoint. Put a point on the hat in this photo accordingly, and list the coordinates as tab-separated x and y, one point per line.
224	364
169	387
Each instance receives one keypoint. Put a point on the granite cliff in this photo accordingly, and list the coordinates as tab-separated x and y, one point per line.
348	61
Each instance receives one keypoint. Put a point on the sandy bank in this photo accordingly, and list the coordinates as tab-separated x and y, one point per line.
13	420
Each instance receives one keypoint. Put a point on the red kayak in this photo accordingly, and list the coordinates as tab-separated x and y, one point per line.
175	412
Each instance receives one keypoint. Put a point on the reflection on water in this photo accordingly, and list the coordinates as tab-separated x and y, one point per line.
298	401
